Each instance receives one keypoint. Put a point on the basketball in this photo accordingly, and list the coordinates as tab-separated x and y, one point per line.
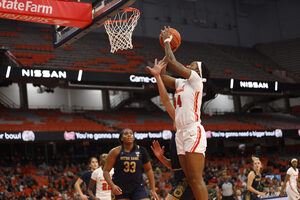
175	42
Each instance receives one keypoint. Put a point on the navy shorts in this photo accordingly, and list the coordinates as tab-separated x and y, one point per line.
250	196
182	191
136	194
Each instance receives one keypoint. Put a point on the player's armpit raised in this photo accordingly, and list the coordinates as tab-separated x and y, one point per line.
195	80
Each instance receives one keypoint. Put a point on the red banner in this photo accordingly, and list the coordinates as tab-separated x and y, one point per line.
63	13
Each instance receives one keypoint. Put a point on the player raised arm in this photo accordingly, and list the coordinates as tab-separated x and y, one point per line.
159	153
177	66
155	71
167	80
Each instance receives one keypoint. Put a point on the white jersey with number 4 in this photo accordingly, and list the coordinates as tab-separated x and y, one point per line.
188	100
103	190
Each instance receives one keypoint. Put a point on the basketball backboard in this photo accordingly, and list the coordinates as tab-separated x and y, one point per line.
102	10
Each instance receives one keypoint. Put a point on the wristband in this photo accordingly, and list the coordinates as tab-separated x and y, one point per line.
169	39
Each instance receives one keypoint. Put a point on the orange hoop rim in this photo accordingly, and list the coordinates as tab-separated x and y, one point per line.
109	21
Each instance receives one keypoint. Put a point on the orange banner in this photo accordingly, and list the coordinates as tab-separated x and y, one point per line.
63	13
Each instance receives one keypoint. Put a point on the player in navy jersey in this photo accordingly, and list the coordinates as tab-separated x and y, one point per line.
129	161
86	177
180	190
253	182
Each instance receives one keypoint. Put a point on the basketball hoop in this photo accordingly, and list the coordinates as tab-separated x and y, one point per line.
120	28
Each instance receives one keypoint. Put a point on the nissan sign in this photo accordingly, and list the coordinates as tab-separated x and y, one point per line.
44	73
254	86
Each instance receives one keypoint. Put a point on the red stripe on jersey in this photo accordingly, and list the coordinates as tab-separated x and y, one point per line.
292	187
196	106
198	139
180	90
174	101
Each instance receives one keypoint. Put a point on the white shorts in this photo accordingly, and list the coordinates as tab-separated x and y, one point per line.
191	138
292	193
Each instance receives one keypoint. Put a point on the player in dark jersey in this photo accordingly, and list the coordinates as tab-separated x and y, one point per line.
129	161
181	189
254	178
86	177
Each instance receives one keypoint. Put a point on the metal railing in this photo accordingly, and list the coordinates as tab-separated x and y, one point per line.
117	99
6	101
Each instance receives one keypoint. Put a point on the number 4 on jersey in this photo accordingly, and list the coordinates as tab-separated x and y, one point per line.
178	101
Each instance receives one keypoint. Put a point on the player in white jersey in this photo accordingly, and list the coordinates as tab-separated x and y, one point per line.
190	135
291	183
103	190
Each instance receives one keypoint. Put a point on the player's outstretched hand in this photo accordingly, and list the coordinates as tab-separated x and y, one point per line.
262	194
116	190
165	33
157	149
155	71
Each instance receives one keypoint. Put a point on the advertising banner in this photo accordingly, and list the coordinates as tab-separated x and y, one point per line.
79	76
31	136
258	134
84	76
254	86
63	13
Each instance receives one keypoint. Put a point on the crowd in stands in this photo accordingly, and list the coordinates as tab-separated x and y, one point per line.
22	177
38	181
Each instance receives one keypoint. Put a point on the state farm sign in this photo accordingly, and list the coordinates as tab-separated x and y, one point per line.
63	13
28	6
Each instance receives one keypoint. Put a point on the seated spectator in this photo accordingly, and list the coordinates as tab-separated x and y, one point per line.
242	177
271	192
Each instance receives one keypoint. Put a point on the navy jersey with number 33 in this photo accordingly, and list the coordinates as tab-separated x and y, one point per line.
129	168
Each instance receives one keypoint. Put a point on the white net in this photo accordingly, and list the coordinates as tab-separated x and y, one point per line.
120	27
